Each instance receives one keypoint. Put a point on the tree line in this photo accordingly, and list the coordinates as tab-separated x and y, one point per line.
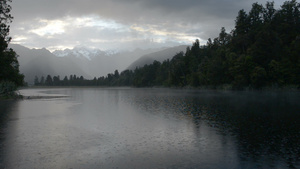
262	50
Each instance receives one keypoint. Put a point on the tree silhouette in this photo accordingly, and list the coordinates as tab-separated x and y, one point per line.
49	81
9	65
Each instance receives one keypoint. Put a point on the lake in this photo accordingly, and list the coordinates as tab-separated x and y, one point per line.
150	128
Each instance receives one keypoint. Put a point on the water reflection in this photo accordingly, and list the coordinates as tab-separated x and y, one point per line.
151	128
266	125
6	115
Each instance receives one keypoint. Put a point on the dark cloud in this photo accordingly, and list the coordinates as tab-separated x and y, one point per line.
131	10
199	18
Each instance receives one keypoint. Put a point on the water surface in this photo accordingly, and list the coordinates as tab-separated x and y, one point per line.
150	128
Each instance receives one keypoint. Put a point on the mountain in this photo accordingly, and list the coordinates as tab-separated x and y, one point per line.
160	56
41	62
81	61
81	52
98	63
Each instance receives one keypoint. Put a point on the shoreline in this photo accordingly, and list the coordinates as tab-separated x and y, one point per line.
42	97
225	88
18	96
287	88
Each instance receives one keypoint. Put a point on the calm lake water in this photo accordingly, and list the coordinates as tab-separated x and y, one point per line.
150	128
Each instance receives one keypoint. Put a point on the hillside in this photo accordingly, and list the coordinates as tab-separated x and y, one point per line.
160	56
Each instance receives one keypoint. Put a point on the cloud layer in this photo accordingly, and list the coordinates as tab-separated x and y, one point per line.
121	24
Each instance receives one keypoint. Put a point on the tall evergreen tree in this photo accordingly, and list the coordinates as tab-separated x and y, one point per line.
9	65
49	80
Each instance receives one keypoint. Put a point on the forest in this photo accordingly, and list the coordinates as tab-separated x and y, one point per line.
263	50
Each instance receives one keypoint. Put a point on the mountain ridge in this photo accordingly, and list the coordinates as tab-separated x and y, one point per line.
41	62
160	56
89	64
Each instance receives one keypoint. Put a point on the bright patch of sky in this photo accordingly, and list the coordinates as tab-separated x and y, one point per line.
95	21
51	27
160	35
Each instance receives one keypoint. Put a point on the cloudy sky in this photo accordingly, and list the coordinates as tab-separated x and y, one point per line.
121	24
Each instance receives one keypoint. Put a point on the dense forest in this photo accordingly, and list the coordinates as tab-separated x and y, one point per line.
263	50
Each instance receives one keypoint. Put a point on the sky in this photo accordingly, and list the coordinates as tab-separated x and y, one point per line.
122	24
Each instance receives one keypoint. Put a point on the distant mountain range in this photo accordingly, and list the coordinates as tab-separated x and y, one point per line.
41	62
85	62
84	53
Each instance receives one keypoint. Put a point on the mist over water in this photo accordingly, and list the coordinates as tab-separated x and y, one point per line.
150	128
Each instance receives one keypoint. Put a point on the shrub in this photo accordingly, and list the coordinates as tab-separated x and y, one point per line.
8	88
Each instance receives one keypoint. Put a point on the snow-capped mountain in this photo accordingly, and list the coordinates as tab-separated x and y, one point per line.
83	53
98	63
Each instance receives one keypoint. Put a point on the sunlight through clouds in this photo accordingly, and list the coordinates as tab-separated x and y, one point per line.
160	35
95	21
19	39
50	27
94	31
